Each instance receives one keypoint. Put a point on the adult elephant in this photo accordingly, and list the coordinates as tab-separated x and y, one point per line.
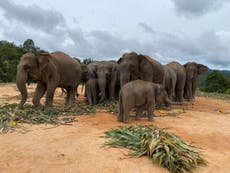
180	80
133	66
192	71
106	74
50	70
170	81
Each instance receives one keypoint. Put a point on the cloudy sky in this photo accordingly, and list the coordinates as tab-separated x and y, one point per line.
167	30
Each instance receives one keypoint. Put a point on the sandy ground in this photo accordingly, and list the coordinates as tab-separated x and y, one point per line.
78	148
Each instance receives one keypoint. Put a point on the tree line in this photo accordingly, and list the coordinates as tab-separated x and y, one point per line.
213	81
10	55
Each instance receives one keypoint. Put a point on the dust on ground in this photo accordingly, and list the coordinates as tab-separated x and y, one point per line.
78	148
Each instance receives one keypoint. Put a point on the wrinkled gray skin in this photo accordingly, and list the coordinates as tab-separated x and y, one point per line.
133	66
170	81
106	75
141	95
192	71
180	80
50	71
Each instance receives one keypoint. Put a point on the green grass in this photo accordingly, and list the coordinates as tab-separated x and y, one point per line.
166	149
215	95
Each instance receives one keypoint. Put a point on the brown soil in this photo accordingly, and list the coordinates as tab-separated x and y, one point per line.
78	147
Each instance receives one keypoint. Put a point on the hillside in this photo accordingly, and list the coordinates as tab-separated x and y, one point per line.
201	78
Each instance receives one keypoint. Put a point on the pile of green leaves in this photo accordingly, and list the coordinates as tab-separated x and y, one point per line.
109	106
167	149
11	115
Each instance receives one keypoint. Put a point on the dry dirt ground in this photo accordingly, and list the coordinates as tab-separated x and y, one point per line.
78	148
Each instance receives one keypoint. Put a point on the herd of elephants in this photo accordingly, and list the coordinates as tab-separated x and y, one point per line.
137	80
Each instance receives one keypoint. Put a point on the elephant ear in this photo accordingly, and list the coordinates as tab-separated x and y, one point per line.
201	68
43	60
120	60
185	65
26	68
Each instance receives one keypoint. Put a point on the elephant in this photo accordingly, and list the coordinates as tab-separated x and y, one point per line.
91	88
170	81
133	66
180	80
192	71
49	70
141	95
106	74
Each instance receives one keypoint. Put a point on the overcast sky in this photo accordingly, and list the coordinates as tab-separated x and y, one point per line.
167	30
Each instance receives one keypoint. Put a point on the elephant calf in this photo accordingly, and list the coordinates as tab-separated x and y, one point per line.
141	95
92	91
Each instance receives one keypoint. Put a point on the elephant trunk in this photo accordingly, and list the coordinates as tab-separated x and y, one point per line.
102	87
188	90
21	79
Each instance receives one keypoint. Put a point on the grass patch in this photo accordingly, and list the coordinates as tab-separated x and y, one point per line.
168	150
215	95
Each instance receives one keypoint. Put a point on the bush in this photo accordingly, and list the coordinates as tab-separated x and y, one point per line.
227	91
216	82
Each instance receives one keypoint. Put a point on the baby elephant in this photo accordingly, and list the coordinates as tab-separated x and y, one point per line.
141	95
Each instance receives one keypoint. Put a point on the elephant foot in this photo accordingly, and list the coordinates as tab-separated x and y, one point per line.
20	106
38	106
47	108
70	104
126	121
49	104
150	119
119	118
137	118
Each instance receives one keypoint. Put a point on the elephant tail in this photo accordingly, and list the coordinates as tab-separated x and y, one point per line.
120	107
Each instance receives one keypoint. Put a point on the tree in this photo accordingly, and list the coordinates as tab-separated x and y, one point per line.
10	55
87	61
77	59
29	46
216	82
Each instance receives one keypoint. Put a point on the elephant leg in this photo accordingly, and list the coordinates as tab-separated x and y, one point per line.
126	114
181	95
193	90
89	98
50	95
39	93
189	91
139	112
94	98
71	96
112	89
120	111
150	108
67	96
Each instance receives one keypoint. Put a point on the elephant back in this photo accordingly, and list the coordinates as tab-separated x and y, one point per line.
155	67
69	69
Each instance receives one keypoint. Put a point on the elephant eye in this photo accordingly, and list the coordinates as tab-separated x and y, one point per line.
26	67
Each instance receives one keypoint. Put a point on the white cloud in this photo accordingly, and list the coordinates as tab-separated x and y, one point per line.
50	31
